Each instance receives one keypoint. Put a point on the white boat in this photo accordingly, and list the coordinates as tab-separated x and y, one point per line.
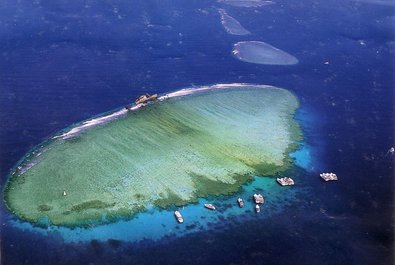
179	217
209	206
285	181
328	176
258	198
257	208
240	202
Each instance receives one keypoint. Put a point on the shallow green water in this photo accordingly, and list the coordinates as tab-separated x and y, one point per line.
170	152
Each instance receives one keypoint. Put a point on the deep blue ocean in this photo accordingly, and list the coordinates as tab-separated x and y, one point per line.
62	62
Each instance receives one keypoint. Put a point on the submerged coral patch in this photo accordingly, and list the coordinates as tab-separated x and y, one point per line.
189	144
231	25
262	53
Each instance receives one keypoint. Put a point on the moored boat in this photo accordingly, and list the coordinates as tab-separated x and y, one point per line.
209	206
257	208
285	181
179	217
328	176
240	202
258	198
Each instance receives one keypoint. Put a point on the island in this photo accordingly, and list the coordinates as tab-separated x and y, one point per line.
186	145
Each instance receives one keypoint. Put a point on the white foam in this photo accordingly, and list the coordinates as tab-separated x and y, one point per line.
183	92
231	25
94	122
25	168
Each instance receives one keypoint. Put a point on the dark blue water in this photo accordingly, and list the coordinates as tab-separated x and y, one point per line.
65	61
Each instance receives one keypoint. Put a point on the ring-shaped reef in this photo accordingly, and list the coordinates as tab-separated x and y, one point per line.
262	53
191	143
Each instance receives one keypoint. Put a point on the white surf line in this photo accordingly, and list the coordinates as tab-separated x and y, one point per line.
179	93
189	91
94	122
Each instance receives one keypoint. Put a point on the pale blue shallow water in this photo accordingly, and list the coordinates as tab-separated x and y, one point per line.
156	224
